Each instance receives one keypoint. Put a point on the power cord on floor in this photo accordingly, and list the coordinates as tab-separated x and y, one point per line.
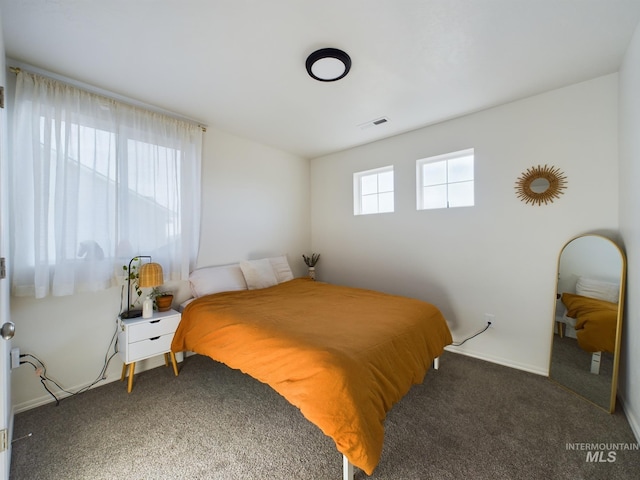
472	336
41	369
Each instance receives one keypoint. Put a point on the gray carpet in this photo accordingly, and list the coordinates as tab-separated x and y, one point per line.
571	367
469	420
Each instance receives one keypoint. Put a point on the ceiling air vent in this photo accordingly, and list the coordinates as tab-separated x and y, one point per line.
374	123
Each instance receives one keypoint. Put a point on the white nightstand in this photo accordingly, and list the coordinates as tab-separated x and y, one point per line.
140	338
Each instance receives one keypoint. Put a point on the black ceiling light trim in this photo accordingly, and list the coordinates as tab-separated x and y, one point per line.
328	64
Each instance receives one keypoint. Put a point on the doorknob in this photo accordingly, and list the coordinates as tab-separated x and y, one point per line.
8	330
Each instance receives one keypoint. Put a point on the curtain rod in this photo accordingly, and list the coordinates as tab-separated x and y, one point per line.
113	96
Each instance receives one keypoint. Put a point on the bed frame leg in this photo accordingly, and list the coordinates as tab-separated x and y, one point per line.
347	469
595	362
436	363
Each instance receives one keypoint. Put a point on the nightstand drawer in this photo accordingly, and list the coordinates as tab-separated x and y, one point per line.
150	347
155	327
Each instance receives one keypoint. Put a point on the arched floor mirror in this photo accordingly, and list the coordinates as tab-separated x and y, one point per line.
587	327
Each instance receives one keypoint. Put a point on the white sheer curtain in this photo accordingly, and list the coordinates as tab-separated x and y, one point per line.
94	183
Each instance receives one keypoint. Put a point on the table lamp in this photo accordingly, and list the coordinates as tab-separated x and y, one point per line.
149	275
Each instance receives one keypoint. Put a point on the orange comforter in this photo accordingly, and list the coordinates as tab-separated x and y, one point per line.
342	355
596	322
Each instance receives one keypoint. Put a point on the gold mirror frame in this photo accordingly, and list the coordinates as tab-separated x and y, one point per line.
554	176
597	257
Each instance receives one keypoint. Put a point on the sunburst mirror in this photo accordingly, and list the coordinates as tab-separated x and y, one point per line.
540	185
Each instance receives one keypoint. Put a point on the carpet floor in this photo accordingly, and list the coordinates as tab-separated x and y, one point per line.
468	420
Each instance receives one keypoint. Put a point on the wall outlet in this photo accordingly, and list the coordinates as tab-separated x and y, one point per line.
490	318
15	358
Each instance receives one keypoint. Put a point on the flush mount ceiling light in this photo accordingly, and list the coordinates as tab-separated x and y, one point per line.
328	64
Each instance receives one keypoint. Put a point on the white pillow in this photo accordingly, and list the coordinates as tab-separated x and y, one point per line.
258	273
208	280
281	268
590	287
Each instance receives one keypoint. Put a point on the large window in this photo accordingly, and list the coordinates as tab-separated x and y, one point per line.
373	191
445	181
96	182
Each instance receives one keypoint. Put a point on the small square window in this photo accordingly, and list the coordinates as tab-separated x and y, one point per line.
373	191
445	181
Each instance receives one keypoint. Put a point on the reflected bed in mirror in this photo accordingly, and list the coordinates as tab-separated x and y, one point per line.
588	319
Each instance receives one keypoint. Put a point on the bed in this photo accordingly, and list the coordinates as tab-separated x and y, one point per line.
344	356
591	310
590	315
595	322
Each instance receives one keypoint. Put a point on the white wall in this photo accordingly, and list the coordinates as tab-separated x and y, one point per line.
630	228
498	257
255	203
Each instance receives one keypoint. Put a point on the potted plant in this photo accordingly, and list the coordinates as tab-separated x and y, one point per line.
162	300
311	264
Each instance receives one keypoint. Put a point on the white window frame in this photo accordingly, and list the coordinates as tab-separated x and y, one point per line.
358	195
435	159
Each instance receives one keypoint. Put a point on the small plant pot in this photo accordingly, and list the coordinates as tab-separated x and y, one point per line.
163	302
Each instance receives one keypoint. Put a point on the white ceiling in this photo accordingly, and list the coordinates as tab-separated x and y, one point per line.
239	65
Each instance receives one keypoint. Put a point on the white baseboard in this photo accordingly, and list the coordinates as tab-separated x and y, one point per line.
45	399
634	422
141	366
500	361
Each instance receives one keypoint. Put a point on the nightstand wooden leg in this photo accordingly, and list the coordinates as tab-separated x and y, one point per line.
560	329
124	372
166	359
174	362
132	369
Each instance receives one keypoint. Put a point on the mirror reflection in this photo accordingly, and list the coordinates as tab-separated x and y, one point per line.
539	185
588	317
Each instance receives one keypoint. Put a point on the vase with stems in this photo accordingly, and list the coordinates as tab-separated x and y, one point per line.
311	261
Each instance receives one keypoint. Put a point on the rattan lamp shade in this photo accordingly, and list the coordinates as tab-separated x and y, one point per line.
150	275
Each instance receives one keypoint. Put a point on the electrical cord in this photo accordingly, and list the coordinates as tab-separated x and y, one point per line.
41	370
472	336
